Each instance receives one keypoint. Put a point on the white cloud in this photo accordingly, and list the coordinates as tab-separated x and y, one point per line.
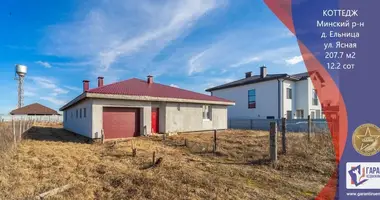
60	91
173	85
106	38
43	82
73	88
29	94
212	82
275	55
195	64
53	100
245	61
48	83
45	85
45	64
294	60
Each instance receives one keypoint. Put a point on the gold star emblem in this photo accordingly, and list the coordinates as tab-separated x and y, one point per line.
366	139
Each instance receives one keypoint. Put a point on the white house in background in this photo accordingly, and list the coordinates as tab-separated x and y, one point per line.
137	107
270	96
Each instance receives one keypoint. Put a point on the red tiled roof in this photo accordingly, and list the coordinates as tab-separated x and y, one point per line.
34	109
138	87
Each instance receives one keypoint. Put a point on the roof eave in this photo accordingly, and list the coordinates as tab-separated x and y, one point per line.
149	98
249	82
141	98
72	102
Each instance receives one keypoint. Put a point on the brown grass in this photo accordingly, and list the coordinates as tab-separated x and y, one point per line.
53	157
7	134
6	138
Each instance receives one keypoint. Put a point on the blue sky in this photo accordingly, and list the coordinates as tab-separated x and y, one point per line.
191	44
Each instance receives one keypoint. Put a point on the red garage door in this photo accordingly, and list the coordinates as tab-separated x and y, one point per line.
121	122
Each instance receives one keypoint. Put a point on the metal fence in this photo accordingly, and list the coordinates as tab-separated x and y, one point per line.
39	118
292	125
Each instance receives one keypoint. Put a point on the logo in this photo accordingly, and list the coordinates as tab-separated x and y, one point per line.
366	139
357	175
364	175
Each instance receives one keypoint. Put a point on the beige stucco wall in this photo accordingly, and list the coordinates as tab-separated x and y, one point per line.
82	126
189	118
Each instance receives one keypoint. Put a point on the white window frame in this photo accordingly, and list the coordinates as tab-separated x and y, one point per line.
314	97
289	93
207	112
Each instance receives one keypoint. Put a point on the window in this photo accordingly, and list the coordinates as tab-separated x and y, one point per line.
312	115
289	114
270	117
76	114
80	113
299	114
207	112
288	93
314	98
84	112
252	98
318	114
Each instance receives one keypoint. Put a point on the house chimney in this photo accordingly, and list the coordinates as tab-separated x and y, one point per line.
100	81
86	85
150	79
263	72
248	74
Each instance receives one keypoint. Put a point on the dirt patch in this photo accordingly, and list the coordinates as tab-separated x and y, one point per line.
238	170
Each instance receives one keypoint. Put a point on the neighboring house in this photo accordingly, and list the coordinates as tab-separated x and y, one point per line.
270	96
136	107
34	109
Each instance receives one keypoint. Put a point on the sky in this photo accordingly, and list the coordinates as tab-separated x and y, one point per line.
190	44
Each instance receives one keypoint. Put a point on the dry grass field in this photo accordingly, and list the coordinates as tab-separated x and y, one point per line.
6	137
50	157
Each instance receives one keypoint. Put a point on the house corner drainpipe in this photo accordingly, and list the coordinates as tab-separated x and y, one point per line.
279	99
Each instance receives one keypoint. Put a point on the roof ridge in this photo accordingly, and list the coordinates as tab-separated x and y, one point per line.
139	87
255	78
177	88
109	84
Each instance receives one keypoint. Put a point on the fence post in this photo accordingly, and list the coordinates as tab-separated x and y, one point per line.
214	146
283	130
102	135
20	133
308	127
251	124
134	150
14	131
273	141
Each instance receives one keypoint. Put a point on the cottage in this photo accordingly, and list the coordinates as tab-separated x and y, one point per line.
137	107
270	96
